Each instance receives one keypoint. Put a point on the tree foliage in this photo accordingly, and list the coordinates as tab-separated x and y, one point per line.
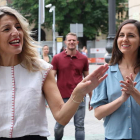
93	14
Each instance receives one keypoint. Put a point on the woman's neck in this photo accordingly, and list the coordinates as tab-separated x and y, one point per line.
129	61
45	55
9	62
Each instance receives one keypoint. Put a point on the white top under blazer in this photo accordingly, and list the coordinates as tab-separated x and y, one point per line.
22	103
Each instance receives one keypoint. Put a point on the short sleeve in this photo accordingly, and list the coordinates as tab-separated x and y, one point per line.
99	96
86	67
54	62
46	68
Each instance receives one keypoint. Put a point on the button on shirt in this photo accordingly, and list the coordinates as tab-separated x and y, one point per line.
124	123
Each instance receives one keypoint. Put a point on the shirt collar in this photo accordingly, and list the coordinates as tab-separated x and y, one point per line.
76	55
119	75
114	67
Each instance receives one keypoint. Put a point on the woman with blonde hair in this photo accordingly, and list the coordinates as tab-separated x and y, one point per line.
26	81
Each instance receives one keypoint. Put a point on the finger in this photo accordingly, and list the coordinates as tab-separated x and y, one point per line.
129	80
131	77
124	82
90	108
103	77
123	89
135	83
97	73
86	83
100	70
106	65
104	70
124	86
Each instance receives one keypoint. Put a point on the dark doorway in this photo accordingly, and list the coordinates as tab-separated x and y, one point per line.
35	34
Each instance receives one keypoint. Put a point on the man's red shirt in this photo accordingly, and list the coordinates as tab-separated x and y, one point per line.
69	71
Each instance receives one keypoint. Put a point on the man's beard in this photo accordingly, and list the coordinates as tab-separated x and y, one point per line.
72	49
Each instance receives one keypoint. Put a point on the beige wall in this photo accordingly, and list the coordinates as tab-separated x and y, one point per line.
3	2
134	9
49	34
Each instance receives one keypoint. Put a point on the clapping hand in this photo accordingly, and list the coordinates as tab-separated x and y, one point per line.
128	85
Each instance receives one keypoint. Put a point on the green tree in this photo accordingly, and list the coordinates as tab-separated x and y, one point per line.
93	14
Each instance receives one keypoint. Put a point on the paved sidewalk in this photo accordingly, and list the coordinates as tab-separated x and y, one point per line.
94	129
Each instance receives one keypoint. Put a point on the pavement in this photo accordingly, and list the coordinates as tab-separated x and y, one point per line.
94	129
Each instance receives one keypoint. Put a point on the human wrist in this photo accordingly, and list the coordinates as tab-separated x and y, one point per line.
122	99
75	99
134	91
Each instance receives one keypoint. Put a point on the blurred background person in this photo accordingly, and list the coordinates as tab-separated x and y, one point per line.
46	56
62	49
84	51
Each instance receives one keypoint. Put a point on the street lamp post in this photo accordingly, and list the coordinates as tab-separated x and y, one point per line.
52	8
41	19
112	28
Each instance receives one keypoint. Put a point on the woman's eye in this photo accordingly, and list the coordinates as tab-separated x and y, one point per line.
131	36
7	29
18	27
121	35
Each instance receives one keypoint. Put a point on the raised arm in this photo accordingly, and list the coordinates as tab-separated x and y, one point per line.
64	112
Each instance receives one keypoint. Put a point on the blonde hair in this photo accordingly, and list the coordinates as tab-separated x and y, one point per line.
73	34
29	55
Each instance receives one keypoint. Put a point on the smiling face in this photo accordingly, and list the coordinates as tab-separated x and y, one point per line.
45	49
71	42
129	40
11	36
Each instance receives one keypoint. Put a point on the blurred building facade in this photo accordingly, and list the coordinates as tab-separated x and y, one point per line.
133	13
134	9
3	2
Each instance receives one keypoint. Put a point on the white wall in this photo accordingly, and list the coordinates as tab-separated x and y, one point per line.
134	9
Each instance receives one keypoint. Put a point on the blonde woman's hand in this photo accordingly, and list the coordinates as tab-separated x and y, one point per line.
91	81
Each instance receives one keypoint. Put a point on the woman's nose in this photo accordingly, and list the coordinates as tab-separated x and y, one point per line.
15	32
125	38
